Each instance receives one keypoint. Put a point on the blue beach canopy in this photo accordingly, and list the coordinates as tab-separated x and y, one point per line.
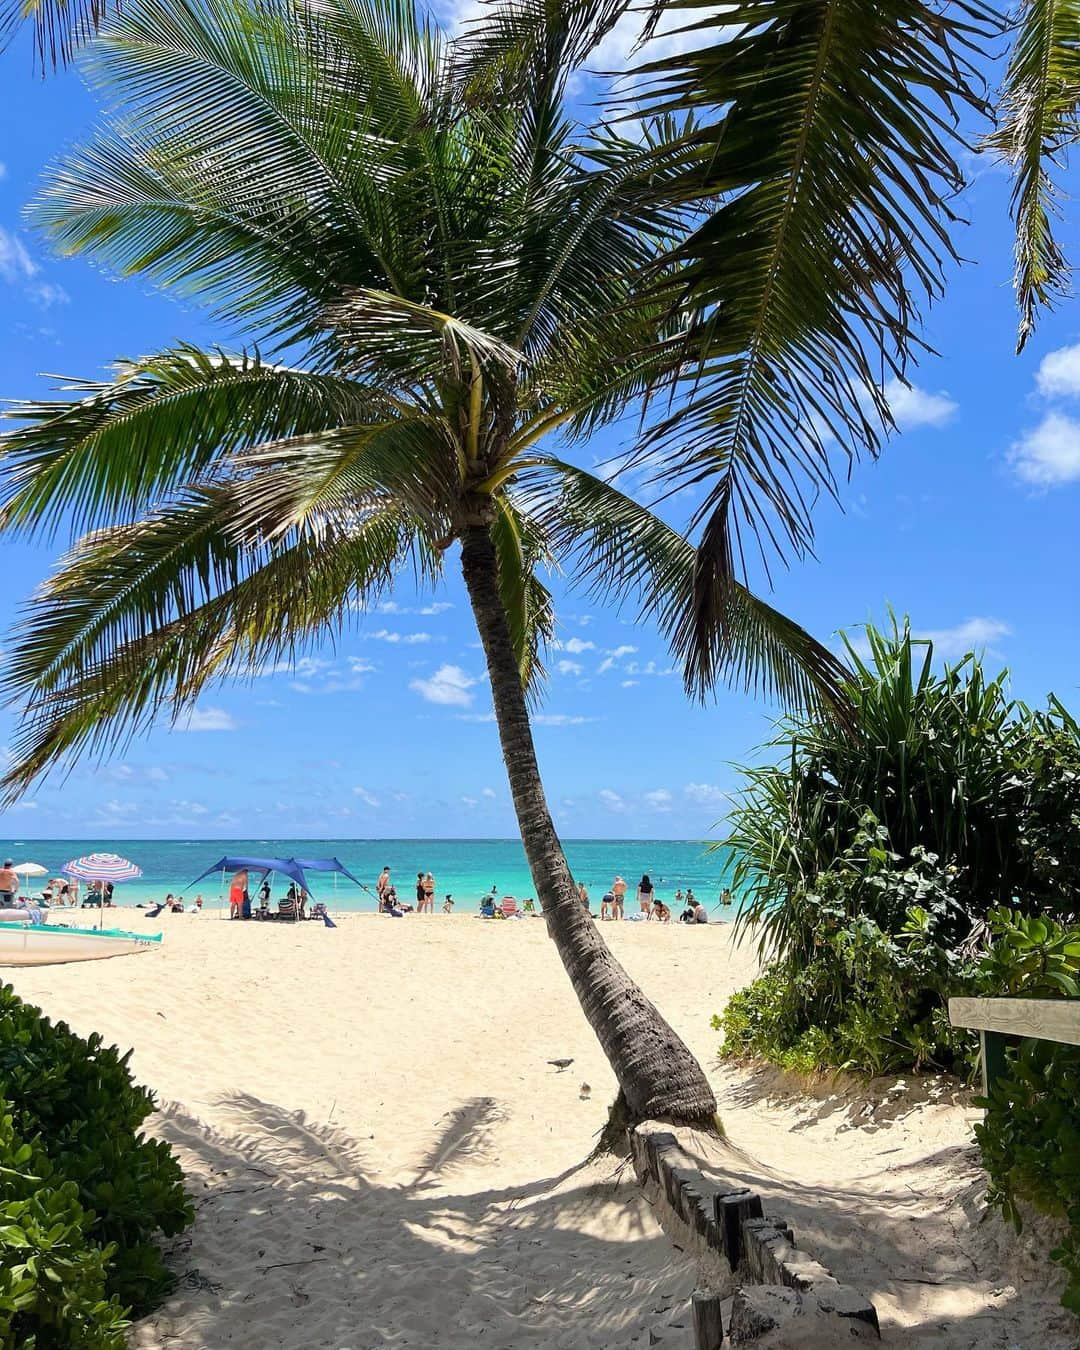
325	865
287	866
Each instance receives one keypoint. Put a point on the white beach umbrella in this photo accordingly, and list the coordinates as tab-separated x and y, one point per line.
32	869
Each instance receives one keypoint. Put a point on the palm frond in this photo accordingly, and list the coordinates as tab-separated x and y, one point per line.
623	552
823	164
159	423
60	26
529	607
140	618
1039	122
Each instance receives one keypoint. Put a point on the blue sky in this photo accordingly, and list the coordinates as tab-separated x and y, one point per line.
968	522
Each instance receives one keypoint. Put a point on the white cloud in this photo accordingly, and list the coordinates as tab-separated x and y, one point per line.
630	684
387	635
490	793
206	719
1049	454
963	637
392	607
478	717
3	172
914	407
359	666
45	294
1059	373
449	685
705	794
368	798
618	51
15	263
156	774
611	800
30	805
577	645
568	668
559	719
613	656
189	808
660	800
469	801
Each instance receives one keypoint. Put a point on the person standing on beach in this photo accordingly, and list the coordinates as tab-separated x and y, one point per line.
618	893
9	882
421	894
583	896
429	893
645	896
237	892
382	885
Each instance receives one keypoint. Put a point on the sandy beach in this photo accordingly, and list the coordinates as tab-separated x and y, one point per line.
381	1154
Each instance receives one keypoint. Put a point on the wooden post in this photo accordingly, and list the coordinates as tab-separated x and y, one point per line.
992	1057
708	1320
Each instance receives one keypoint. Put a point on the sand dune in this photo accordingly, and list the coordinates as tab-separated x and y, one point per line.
381	1154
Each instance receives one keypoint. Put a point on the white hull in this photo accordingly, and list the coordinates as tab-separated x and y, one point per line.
24	944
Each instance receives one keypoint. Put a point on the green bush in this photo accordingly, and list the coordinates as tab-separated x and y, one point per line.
52	1275
108	1189
1030	1144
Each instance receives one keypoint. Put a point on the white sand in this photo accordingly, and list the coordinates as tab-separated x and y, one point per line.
382	1156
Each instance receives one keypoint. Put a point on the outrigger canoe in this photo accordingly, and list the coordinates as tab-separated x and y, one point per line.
31	944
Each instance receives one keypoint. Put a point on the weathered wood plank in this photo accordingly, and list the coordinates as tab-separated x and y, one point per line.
1042	1019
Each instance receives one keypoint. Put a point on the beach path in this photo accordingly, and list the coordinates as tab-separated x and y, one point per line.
382	1155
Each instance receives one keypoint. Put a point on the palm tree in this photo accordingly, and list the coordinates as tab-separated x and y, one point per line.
442	280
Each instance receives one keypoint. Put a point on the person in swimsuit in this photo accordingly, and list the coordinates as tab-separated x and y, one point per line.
421	896
382	885
583	895
237	891
645	896
661	913
618	891
9	883
429	893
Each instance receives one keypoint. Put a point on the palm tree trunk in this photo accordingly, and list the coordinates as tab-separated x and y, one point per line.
657	1074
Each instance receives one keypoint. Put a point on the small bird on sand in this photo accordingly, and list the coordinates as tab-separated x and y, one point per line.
561	1064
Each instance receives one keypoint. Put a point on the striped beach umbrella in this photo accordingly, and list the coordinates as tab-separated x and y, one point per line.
101	867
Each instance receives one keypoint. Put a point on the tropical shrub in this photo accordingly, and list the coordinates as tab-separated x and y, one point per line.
52	1274
872	855
74	1117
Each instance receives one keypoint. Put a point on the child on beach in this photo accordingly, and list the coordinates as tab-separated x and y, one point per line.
448	905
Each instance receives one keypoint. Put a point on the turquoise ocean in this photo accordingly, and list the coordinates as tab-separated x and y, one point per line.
464	868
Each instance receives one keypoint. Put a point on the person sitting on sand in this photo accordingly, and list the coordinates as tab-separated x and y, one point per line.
645	895
618	891
661	912
487	907
448	905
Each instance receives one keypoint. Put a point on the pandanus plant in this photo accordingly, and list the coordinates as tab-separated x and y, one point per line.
445	280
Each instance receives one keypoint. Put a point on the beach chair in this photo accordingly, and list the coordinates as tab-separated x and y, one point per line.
508	906
286	909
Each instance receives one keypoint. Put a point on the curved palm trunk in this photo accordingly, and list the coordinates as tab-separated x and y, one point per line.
657	1073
